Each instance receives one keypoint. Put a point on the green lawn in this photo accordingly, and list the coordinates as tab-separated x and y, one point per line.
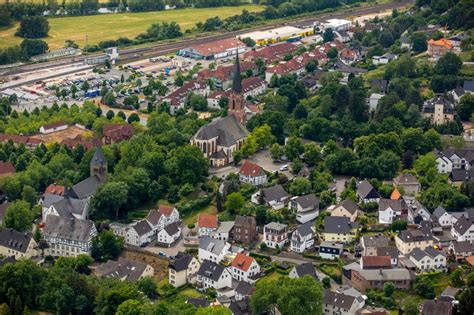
112	26
271	277
192	217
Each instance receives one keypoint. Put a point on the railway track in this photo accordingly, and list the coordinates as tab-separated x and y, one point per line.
133	54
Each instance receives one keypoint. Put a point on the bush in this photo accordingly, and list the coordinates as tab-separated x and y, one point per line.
263	246
191	226
195	205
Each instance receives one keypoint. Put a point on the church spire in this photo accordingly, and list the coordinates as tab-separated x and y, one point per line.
237	79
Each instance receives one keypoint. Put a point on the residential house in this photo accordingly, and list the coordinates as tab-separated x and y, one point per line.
114	133
253	86
68	236
275	234
341	303
30	143
408	182
371	243
224	231
347	208
349	56
222	77
374	99
220	139
177	99
439	110
16	244
53	127
463	229
302	270
244	268
65	207
253	174
124	270
449	294
428	259
365	279
169	234
164	216
366	192
439	48
454	159
139	233
271	53
390	251
198	302
212	249
306	207
462	249
408	240
243	290
302	238
207	223
212	275
375	262
339	229
330	250
459	177
384	59
379	86
183	269
443	217
392	210
437	307
275	197
6	169
245	229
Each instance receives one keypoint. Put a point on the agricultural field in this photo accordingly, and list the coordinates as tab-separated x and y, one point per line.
112	26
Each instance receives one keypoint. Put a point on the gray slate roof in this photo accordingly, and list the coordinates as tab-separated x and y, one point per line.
12	239
244	288
181	261
66	207
337	225
228	130
375	241
338	299
365	189
172	229
391	251
396	205
142	227
198	302
305	229
306	269
49	199
429	105
438	212
99	158
212	245
349	205
274	193
386	274
307	201
244	220
419	235
462	225
131	270
406	179
68	228
211	270
436	307
85	188
463	247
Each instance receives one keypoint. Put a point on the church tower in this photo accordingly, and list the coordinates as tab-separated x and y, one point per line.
236	104
98	165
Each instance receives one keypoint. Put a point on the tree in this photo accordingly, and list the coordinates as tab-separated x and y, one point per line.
466	301
33	47
332	53
18	216
108	199
5	18
213	310
465	108
326	282
261	215
399	225
424	288
276	151
457	278
148	286
133	118
131	307
109	99
112	293
250	146
234	202
388	289
290	296
110	114
410	308
300	186
106	245
418	41
294	148
249	42
198	102
33	27
449	64
328	35
29	195
311	66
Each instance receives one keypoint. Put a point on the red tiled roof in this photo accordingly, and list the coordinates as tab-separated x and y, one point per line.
87	143
166	210
271	53
181	93
19	139
441	42
250	169
118	131
224	73
217	47
251	83
242	262
6	168
207	221
376	261
55	190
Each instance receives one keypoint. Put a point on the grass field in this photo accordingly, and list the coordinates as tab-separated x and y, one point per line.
112	26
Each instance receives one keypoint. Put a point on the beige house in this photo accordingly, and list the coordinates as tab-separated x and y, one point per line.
339	229
347	208
411	185
125	270
183	269
19	245
439	110
408	240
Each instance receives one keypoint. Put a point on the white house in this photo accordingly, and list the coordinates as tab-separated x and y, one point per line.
391	210
306	207
463	230
223	231
428	259
57	126
275	234
183	269
252	174
454	159
330	250
165	215
212	249
384	59
139	234
244	268
212	275
302	270
302	238
64	207
347	302
169	234
443	217
275	197
207	224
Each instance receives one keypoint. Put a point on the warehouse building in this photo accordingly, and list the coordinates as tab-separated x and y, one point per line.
214	50
285	33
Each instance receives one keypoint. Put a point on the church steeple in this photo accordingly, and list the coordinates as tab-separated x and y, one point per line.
237	79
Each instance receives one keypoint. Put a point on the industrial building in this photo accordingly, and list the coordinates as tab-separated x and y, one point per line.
214	50
285	33
338	24
69	51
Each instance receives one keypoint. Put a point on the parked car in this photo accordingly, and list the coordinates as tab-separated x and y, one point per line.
284	167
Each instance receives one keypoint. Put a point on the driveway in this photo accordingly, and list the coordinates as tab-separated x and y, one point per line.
174	249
